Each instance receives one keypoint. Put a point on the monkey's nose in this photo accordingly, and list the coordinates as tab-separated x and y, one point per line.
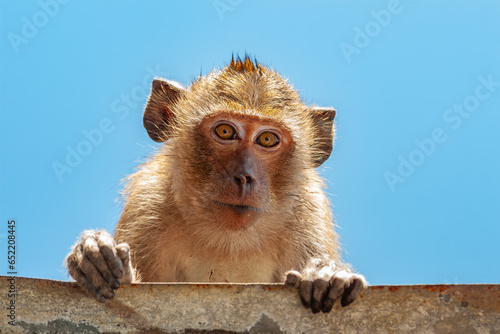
243	179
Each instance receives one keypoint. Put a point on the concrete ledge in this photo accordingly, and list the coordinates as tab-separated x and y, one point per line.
46	306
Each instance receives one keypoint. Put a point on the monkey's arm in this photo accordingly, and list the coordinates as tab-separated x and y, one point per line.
324	279
99	265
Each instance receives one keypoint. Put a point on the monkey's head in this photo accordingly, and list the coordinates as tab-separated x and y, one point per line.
241	143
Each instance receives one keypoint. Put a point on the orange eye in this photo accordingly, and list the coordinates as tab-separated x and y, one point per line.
268	139
225	131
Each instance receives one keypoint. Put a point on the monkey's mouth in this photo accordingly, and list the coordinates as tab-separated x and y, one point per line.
241	209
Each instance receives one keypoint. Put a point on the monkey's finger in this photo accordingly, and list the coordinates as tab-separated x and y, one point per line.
327	305
85	284
73	261
108	250
293	278
94	276
305	292
92	252
317	270
123	251
337	287
352	292
320	289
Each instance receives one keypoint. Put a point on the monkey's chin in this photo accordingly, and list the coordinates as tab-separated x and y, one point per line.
237	217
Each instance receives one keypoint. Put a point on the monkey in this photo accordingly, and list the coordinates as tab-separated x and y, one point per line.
232	195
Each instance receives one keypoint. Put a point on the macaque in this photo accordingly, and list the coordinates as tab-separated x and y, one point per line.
231	196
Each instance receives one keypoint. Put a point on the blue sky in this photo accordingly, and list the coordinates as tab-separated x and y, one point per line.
414	174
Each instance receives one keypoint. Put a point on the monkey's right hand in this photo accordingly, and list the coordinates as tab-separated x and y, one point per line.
99	265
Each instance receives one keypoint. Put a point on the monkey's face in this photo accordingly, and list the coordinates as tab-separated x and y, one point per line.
241	145
246	153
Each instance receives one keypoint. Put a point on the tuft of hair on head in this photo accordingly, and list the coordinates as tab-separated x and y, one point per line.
245	65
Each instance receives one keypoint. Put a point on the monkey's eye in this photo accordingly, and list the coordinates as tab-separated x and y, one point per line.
267	139
225	131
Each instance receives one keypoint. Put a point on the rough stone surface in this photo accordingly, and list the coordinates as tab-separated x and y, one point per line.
46	306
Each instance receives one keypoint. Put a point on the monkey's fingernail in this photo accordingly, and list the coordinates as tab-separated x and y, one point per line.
108	294
122	252
291	280
327	305
315	306
346	300
119	273
115	284
304	302
101	298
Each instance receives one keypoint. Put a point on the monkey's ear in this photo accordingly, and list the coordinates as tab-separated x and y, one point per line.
323	126
158	116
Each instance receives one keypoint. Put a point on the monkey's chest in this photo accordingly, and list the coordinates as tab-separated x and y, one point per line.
234	270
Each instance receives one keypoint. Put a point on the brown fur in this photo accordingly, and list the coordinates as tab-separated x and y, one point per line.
161	205
212	209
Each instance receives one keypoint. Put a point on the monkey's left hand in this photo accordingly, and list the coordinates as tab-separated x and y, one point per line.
323	282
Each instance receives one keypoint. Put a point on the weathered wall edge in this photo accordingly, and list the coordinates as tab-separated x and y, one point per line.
47	306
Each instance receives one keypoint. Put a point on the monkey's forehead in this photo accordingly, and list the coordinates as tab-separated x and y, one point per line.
255	93
291	117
